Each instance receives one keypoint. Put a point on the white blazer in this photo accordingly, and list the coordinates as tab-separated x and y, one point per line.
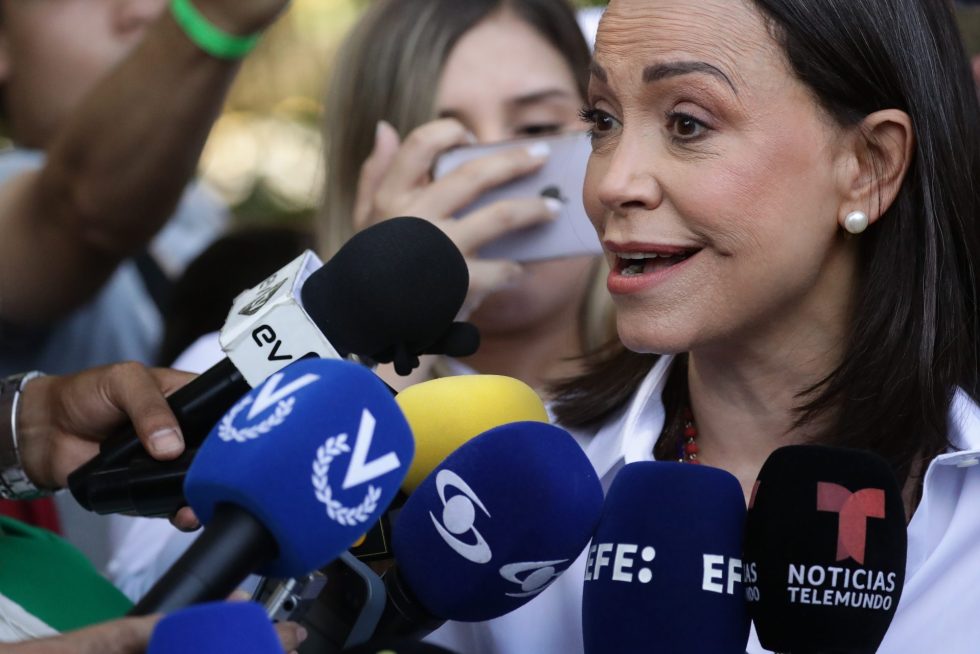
940	606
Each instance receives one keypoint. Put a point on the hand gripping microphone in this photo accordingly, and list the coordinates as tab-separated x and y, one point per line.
490	528
825	550
392	291
668	546
240	627
291	476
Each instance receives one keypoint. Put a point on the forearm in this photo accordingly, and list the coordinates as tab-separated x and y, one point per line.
126	636
114	173
118	167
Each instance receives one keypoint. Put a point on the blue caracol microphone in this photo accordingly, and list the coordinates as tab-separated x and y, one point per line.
292	475
240	627
490	528
668	547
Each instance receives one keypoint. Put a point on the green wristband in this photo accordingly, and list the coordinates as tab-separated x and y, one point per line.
206	36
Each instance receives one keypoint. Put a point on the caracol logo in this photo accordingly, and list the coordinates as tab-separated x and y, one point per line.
853	509
459	517
532	577
359	471
270	394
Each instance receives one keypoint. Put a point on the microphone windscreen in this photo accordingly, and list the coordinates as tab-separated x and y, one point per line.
445	413
461	340
240	627
825	550
400	282
496	522
315	454
663	572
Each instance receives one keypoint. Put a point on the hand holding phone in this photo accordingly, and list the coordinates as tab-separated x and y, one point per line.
560	179
397	179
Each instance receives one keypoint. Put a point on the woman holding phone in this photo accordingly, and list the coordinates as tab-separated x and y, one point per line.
416	78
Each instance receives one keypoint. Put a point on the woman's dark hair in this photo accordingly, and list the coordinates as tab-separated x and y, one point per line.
916	330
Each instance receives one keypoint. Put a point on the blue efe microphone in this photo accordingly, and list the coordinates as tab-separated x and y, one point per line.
240	627
664	571
288	479
490	528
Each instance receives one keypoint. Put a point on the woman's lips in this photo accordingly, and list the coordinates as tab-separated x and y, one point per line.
638	268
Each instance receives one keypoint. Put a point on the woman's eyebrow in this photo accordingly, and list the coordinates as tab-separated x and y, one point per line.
668	69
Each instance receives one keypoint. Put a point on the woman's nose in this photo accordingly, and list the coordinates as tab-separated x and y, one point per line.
628	180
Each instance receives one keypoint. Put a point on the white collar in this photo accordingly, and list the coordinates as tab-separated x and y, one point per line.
964	432
632	434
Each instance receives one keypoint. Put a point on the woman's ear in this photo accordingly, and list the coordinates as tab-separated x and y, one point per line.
878	156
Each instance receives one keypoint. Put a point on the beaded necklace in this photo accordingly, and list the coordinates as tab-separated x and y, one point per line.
688	449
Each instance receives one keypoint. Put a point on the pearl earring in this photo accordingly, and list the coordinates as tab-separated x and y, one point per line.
856	222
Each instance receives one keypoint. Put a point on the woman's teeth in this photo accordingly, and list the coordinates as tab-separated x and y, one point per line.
638	263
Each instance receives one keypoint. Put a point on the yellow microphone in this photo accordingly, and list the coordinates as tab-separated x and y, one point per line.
445	413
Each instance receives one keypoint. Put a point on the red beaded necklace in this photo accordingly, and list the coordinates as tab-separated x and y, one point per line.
688	450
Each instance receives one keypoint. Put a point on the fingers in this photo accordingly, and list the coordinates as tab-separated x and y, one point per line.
476	229
386	144
170	380
135	390
414	160
291	635
185	519
448	194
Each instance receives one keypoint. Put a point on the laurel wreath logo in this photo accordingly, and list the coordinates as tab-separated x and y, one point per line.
347	516
228	432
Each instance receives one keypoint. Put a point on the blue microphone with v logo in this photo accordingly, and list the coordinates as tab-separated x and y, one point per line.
288	479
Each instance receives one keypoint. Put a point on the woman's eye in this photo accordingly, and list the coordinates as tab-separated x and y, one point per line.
599	121
685	127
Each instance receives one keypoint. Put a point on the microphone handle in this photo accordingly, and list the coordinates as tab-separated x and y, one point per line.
144	486
197	406
404	616
232	546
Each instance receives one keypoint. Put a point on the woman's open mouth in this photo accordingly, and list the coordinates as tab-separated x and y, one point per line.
639	263
637	267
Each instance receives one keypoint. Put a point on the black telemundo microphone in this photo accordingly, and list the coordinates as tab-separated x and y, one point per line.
389	294
825	550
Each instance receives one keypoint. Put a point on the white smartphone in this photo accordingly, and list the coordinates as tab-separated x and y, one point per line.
561	177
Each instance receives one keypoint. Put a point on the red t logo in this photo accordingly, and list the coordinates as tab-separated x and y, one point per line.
853	509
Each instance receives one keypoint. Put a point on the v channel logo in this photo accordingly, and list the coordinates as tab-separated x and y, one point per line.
853	509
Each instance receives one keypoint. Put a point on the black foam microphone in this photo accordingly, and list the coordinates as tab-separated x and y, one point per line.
825	551
392	292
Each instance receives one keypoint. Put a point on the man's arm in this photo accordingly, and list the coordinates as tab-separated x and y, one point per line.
117	168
